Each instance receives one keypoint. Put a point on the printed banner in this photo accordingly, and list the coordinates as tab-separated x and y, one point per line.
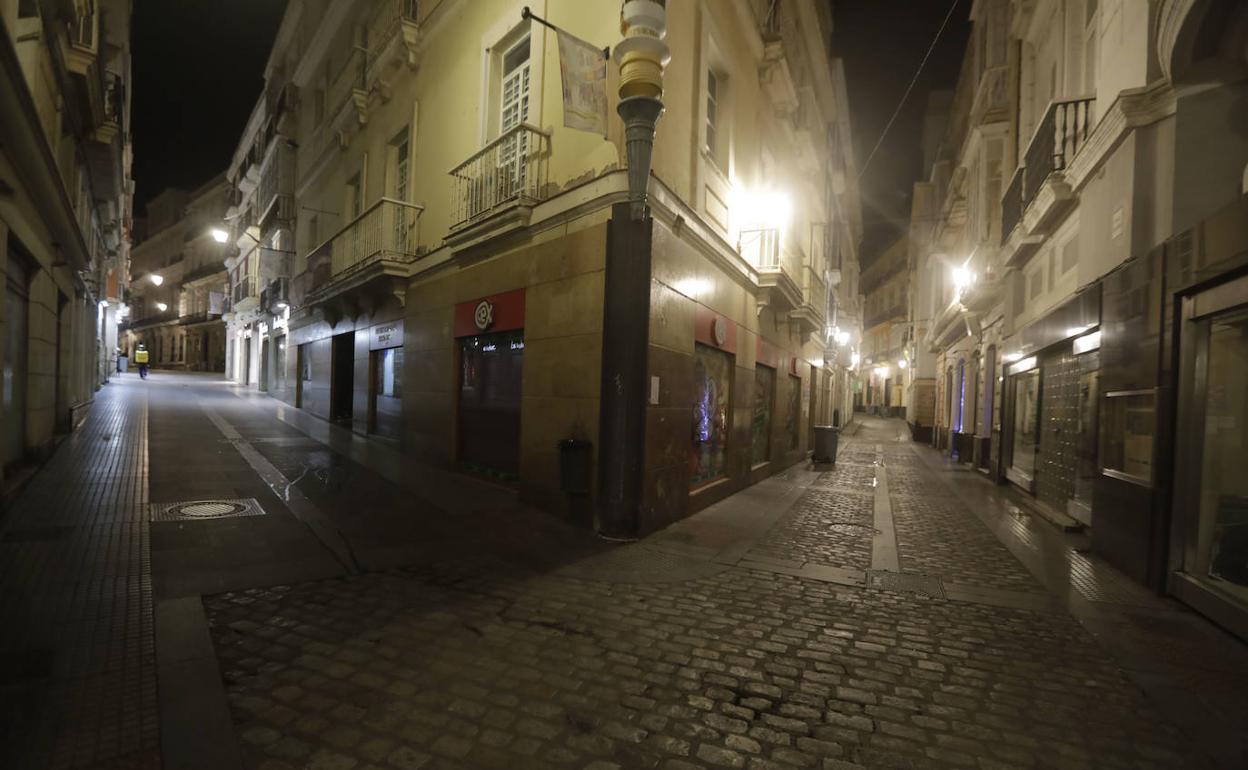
584	72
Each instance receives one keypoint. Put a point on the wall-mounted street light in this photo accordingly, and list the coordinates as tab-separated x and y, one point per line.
162	307
962	279
902	363
842	338
156	279
219	235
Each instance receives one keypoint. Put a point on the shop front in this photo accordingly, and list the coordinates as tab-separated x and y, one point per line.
385	389
489	336
1049	425
1209	552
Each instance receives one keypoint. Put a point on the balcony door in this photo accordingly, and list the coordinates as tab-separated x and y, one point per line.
514	110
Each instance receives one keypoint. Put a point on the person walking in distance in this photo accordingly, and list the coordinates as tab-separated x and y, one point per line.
141	358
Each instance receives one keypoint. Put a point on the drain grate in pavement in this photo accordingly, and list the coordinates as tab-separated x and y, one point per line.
907	582
201	510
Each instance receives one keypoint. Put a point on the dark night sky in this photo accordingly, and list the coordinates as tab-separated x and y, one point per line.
882	43
198	70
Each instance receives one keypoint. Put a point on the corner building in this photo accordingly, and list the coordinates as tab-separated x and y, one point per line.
444	252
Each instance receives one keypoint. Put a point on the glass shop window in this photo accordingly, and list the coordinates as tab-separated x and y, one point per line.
1127	436
1026	423
760	421
793	420
712	415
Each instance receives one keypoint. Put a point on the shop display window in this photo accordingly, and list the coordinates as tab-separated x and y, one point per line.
1127	436
793	420
1223	545
712	410
1026	424
760	422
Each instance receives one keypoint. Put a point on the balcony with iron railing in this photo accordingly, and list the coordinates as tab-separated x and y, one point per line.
392	34
508	173
275	196
82	32
1062	132
385	232
813	312
247	287
778	265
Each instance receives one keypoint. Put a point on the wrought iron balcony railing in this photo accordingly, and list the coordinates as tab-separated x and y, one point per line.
246	287
511	170
385	231
1012	205
1061	134
761	247
384	28
275	195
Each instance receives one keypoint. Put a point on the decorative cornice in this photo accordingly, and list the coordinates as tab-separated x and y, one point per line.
1133	108
1170	20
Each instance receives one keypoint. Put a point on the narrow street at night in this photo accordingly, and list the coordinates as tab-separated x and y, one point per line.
892	611
623	384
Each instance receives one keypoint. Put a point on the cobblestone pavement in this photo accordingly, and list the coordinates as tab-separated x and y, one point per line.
770	631
478	665
824	527
467	666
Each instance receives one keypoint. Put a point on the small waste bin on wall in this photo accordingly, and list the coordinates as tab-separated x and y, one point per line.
575	459
826	439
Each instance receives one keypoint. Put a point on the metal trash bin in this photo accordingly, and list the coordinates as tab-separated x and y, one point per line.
826	439
574	470
576	476
123	364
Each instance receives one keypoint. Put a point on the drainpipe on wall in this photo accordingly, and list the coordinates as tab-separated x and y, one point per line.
624	402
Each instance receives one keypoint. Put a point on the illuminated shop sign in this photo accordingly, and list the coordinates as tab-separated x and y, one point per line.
385	335
495	313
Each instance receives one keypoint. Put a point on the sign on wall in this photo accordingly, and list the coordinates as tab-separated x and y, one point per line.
495	313
385	335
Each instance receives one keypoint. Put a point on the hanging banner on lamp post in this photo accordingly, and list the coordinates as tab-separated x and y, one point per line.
584	72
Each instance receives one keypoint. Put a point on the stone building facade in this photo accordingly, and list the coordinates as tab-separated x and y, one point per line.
65	215
1091	151
427	254
885	352
179	292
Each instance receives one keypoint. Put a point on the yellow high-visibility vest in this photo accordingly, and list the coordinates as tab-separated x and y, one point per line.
140	356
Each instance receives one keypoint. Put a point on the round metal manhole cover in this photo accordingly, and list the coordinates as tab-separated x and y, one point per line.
207	509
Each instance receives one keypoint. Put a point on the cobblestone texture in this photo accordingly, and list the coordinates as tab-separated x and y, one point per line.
826	526
465	666
937	536
77	658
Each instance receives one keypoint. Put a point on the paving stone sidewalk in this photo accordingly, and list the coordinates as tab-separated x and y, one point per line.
77	657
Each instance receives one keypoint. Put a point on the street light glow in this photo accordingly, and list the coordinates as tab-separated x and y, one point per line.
902	363
842	338
156	278
219	235
162	307
962	278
